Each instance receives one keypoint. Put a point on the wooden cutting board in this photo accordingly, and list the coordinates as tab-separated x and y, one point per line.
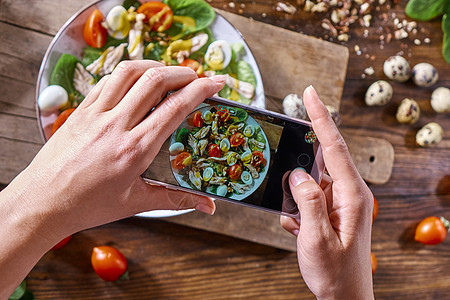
289	62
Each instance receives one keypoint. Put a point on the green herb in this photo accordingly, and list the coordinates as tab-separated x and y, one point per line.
241	115
182	136
22	293
129	3
213	188
199	10
62	75
424	10
155	52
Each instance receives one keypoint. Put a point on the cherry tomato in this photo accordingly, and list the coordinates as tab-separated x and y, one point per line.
198	120
194	65
158	15
257	158
62	243
373	262
214	150
432	230
224	115
182	160
375	209
236	139
94	33
61	119
108	263
235	171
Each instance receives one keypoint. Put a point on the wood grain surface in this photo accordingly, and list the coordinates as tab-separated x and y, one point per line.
167	260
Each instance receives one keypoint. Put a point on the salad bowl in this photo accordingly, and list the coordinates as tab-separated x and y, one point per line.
69	40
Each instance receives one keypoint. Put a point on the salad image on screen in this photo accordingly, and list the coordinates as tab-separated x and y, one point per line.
220	150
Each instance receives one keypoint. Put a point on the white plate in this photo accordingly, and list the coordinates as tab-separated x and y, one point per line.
69	39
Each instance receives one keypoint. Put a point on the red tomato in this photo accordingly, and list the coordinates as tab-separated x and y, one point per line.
94	33
198	120
62	243
182	160
432	230
224	115
61	119
158	15
235	171
214	150
257	158
108	263
375	209
236	139
373	262
194	65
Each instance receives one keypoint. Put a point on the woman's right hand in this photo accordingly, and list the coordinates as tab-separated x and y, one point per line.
333	237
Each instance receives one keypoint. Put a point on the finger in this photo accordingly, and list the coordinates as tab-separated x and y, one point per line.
290	224
125	74
335	152
155	129
154	197
94	93
150	89
311	203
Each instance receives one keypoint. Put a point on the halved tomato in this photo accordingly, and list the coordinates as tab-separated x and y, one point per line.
182	160
198	120
236	139
194	65
94	33
61	119
257	158
235	171
214	150
157	14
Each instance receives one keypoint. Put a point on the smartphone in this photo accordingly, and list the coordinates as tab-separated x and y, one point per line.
238	153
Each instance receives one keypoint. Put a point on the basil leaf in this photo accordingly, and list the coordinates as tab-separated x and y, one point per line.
19	292
199	10
446	39
62	75
424	10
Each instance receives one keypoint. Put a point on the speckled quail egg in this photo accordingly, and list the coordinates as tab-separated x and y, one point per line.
53	98
429	134
440	100
424	74
221	190
208	173
397	68
249	130
246	157
225	145
379	93
218	55
207	117
117	22
176	148
293	107
408	111
246	177
334	114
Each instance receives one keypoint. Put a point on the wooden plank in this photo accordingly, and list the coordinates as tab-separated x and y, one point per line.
17	97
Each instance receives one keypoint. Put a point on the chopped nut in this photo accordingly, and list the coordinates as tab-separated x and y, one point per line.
335	17
308	5
263	15
343	37
333	2
382	2
363	8
426	40
417	42
359	2
400	34
286	7
319	7
232	5
369	71
367	19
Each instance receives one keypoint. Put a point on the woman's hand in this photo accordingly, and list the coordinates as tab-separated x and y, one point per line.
333	236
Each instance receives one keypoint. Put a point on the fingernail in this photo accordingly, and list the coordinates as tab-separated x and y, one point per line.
218	79
205	208
298	176
312	89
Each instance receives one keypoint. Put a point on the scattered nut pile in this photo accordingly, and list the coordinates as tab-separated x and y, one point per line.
424	75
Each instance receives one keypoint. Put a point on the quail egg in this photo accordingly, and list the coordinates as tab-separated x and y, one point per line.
408	111
379	93
440	100
429	134
246	157
207	117
424	74
225	145
208	174
397	68
221	190
232	158
249	130
176	148
218	55
293	106
246	177
53	98
117	22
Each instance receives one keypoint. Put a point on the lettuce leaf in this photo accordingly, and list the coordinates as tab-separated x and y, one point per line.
446	39
199	10
245	72
424	10
62	75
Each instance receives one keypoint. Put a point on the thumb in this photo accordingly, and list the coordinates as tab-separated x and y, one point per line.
311	202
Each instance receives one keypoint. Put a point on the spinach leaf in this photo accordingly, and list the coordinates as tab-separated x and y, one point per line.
129	3
199	10
446	40
424	10
154	53
182	136
245	72
225	92
63	75
19	292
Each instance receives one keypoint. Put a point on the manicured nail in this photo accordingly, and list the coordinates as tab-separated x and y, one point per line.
218	79
298	176
205	208
312	90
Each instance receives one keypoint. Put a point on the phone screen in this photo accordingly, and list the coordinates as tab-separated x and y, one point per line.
238	153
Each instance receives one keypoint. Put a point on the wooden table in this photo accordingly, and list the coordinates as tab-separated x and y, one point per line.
172	261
